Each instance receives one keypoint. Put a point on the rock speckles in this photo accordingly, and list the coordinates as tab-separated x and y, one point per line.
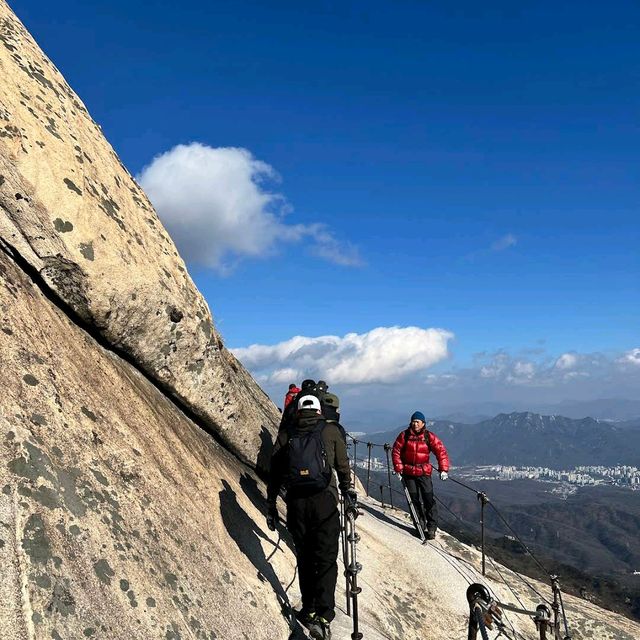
103	571
62	226
35	541
86	249
72	186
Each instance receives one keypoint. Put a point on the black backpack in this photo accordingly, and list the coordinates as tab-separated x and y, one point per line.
308	470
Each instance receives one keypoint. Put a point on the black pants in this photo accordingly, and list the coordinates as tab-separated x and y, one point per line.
421	491
314	524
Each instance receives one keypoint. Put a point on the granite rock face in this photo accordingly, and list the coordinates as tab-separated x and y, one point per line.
78	219
119	518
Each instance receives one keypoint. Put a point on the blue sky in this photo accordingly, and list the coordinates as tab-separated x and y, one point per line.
477	165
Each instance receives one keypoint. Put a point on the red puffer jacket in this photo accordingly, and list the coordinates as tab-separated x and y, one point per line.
411	453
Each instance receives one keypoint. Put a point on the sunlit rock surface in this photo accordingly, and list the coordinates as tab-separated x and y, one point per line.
76	216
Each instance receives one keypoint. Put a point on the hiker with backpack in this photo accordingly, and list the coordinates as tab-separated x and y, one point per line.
290	395
331	412
304	456
410	455
308	387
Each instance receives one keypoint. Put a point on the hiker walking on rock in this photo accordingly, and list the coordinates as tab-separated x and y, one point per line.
291	394
308	387
304	456
411	460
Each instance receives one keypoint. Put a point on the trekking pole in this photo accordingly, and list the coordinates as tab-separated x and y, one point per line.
387	446
345	553
382	495
412	512
351	512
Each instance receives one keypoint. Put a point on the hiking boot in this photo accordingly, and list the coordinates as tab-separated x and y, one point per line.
305	616
319	629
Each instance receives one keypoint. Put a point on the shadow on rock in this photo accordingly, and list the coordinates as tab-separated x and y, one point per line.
384	518
263	461
251	489
247	535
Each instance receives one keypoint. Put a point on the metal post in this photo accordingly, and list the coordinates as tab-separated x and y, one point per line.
386	448
355	456
556	607
542	620
369	445
382	495
482	497
345	554
477	595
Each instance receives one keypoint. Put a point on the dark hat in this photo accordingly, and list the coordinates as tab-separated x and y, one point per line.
332	400
322	385
292	386
308	384
418	415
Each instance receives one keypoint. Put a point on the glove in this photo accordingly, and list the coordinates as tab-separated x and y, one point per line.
443	475
350	498
272	518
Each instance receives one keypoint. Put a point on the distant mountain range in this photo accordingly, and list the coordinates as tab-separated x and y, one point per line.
532	439
612	409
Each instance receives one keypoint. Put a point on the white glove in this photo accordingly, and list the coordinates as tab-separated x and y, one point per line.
443	475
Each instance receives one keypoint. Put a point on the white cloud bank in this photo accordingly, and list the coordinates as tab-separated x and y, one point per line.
216	205
385	374
382	355
631	358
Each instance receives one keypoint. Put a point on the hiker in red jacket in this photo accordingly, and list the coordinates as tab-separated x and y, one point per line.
291	394
411	459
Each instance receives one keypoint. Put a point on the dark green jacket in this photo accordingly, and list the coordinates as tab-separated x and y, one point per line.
335	448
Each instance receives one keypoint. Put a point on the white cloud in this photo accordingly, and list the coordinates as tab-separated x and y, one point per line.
384	355
216	205
506	241
566	361
631	358
524	370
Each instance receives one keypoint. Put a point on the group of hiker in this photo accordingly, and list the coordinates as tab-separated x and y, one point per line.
310	446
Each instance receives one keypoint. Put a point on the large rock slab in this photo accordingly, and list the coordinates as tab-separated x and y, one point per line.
72	212
119	518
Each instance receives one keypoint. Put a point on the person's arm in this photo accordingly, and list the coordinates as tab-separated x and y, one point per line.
338	458
395	453
435	444
275	474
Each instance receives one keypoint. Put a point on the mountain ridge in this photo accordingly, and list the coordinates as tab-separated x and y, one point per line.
532	439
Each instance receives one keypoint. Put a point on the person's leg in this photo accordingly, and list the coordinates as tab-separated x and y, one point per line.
325	531
430	505
412	487
298	527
